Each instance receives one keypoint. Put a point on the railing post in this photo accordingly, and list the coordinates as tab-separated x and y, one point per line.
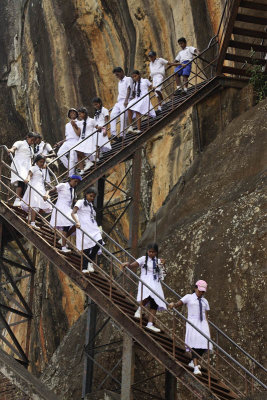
110	279
55	229
173	334
209	383
141	306
82	255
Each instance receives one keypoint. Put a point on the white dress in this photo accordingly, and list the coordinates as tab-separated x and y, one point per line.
144	105
44	149
148	277
192	337
102	141
64	203
86	215
88	145
31	196
22	160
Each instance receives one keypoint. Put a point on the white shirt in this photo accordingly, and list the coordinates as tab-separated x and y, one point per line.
158	67
141	261
187	54
65	193
144	85
23	149
90	127
123	87
100	119
44	148
70	132
192	302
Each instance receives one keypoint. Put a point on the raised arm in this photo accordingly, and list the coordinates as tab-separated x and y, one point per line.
76	129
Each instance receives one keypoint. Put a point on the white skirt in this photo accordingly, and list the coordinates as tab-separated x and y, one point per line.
36	201
142	106
21	166
102	141
155	285
193	338
61	219
87	146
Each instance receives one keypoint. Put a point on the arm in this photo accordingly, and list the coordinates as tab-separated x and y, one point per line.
178	304
12	150
27	180
130	265
127	96
75	217
47	195
76	129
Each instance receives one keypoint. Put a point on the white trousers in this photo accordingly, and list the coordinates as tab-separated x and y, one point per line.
69	164
117	109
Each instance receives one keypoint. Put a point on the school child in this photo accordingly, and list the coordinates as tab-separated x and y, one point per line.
141	86
65	200
101	117
151	274
72	135
44	148
157	73
84	216
184	57
86	147
31	198
21	164
198	308
124	93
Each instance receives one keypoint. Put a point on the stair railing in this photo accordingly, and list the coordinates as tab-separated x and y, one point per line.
199	74
110	270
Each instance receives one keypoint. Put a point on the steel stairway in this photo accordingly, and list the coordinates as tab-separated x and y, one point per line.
114	302
242	37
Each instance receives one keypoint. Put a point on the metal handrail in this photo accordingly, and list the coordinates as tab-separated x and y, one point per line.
114	258
210	45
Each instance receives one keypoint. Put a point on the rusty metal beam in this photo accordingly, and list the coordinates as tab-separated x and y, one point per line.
111	309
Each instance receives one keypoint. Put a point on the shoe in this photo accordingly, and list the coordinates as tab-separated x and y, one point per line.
65	250
60	241
137	314
33	225
191	364
88	165
90	267
17	202
153	328
185	90
137	131
81	172
197	371
130	129
177	91
158	112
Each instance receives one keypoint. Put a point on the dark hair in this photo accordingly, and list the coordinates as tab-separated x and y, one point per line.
135	72
30	135
138	84
38	136
182	39
152	54
83	110
117	69
97	100
38	158
150	246
87	191
72	109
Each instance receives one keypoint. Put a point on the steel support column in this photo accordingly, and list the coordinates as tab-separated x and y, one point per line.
170	386
134	211
127	368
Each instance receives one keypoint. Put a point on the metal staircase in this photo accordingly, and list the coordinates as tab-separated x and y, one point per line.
242	37
114	290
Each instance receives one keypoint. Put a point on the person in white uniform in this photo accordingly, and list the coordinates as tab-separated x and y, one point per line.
139	104
22	161
151	275
84	216
183	59
157	69
101	117
33	201
198	308
72	135
66	197
124	94
45	149
86	149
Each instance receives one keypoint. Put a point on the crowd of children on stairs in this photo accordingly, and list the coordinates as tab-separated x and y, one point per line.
77	155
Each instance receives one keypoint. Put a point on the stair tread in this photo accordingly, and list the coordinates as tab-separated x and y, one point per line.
251	19
249	32
253	5
247	46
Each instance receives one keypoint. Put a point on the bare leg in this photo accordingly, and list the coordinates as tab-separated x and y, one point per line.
177	79
71	231
160	97
185	81
138	117
195	361
151	316
130	117
33	215
80	156
64	238
19	191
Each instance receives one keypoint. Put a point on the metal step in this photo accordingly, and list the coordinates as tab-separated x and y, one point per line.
247	46
243	59
251	19
235	71
253	6
249	33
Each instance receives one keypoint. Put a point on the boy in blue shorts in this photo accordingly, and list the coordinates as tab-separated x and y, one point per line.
184	57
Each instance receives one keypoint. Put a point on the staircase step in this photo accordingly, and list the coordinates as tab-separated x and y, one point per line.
249	32
251	19
248	46
243	59
253	6
235	71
